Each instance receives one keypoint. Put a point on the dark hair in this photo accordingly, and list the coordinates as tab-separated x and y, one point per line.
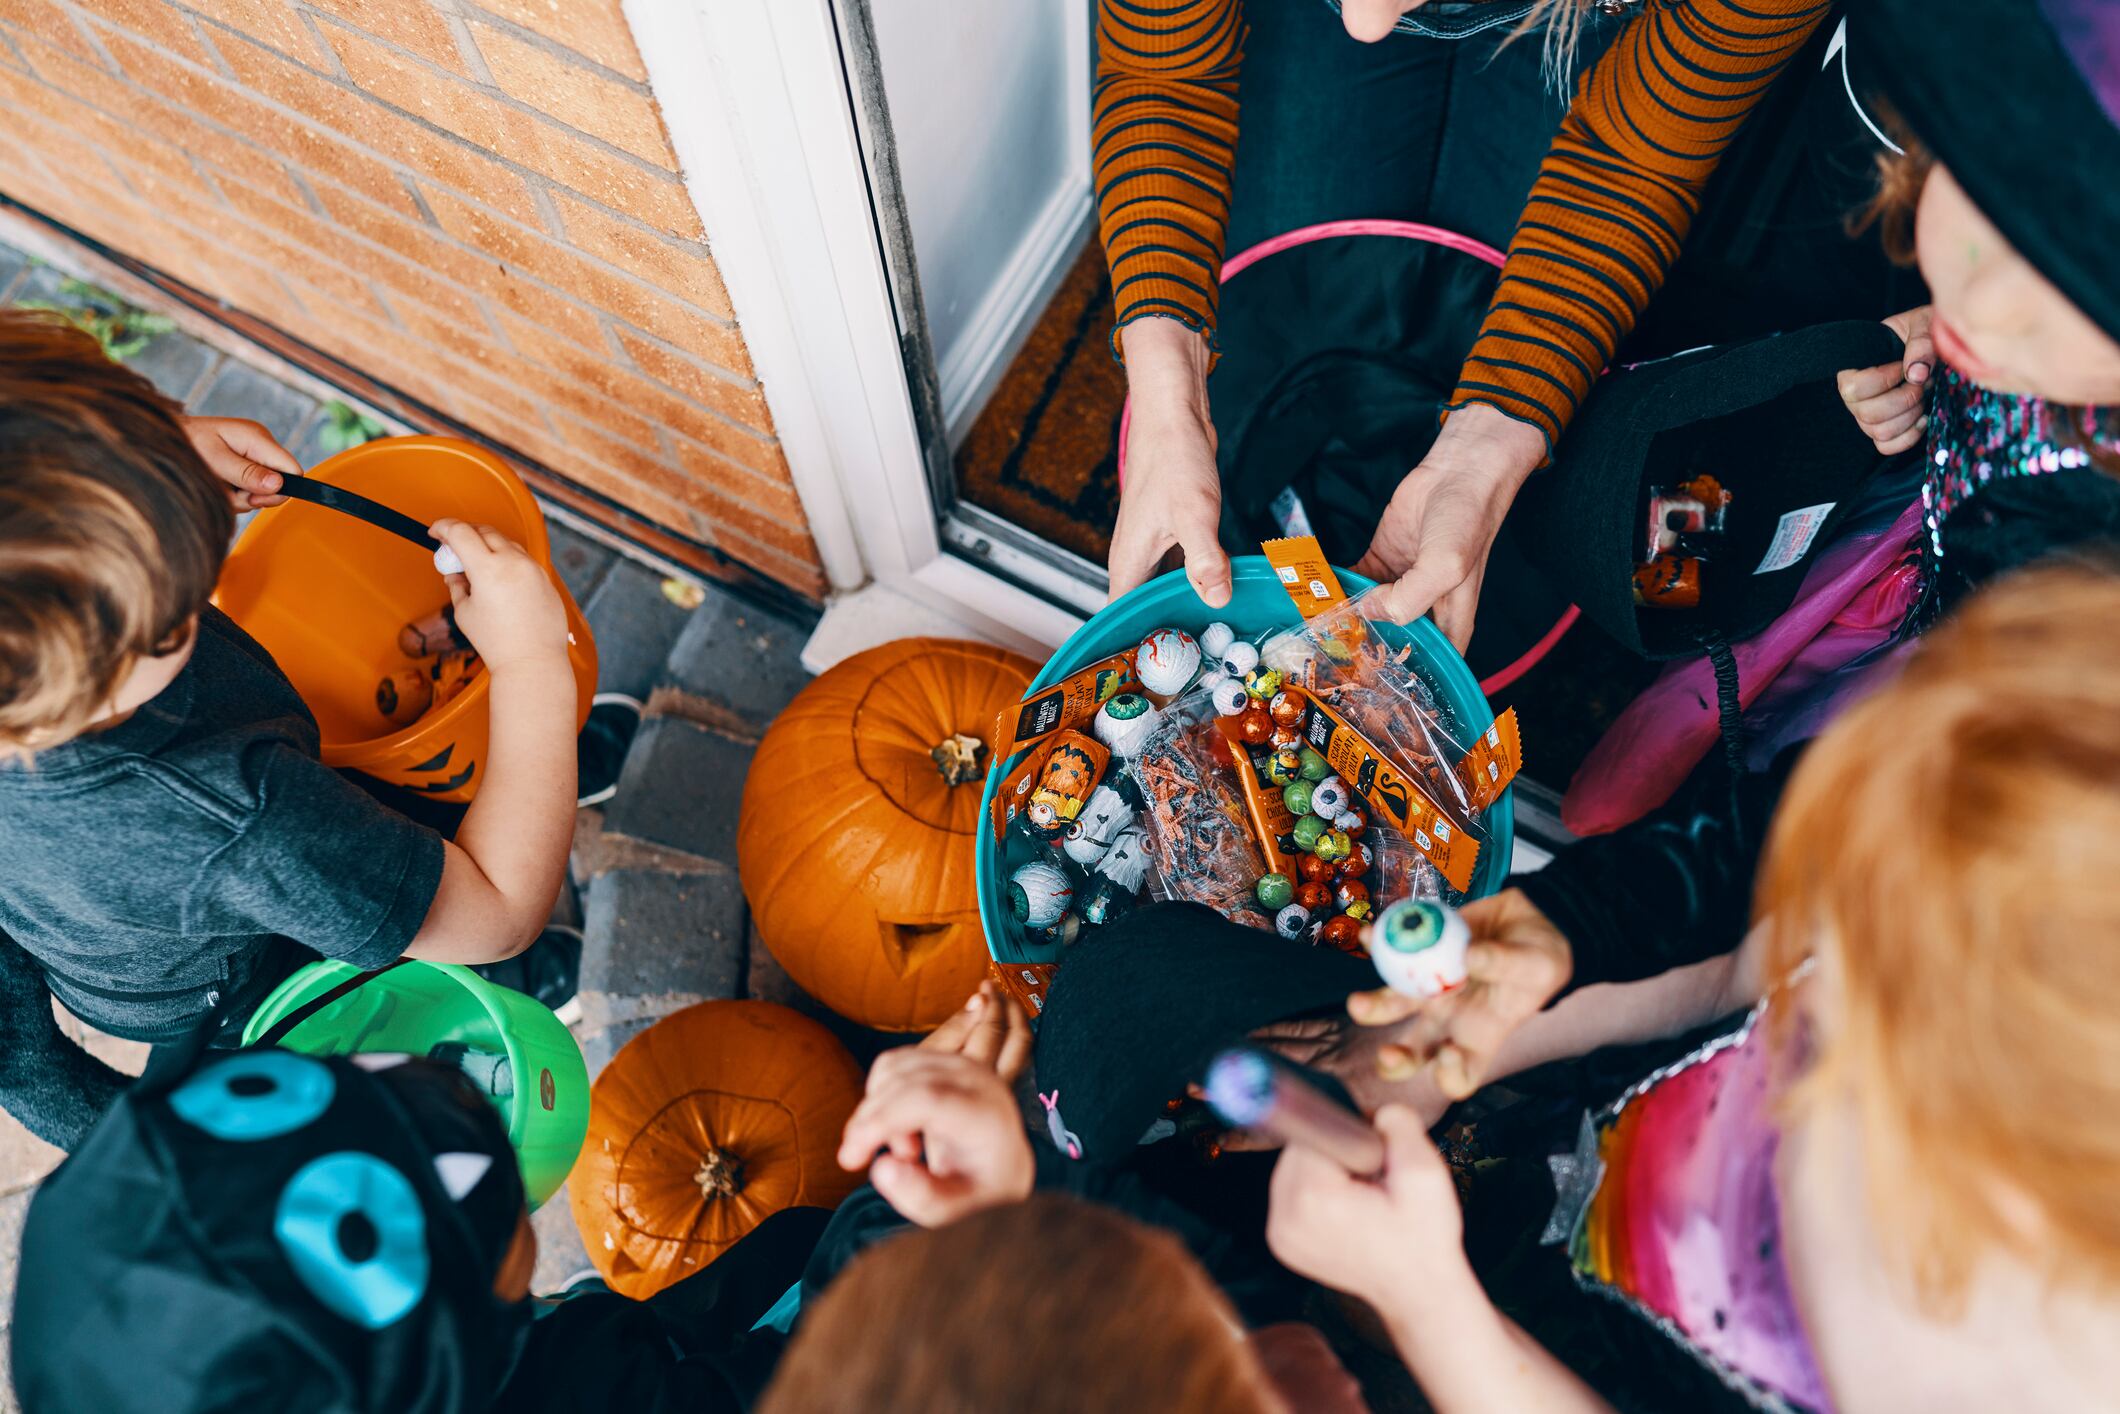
112	530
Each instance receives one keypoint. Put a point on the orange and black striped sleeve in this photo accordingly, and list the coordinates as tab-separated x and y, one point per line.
1618	192
1163	138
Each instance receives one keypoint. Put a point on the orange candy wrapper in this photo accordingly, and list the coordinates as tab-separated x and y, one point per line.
1068	703
1026	982
1052	783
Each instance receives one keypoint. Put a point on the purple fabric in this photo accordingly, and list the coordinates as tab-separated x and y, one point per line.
2090	31
1853	601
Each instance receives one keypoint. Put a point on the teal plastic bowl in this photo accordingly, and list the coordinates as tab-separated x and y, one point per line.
1258	603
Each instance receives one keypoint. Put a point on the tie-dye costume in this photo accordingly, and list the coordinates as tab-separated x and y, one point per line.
1669	1206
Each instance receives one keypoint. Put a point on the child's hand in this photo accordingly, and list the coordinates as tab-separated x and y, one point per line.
1516	962
940	1136
505	602
1888	400
990	1029
1375	1240
244	455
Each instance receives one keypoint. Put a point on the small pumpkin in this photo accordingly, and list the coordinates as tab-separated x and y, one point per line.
702	1127
859	820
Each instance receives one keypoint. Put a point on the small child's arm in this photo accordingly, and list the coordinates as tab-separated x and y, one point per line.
504	869
1398	1243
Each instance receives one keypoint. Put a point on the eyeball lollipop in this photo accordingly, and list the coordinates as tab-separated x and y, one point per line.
1419	948
1230	698
1166	661
1291	921
1215	640
1038	893
1329	797
1240	658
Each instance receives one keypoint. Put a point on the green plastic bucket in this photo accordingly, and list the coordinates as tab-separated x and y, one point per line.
1258	602
417	1006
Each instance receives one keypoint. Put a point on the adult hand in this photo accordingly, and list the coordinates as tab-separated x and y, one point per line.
1371	1239
1516	963
1430	549
1172	494
990	1029
1888	400
940	1135
505	603
243	454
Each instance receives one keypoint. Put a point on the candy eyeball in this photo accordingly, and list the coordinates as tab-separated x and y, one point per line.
1166	661
1330	797
1125	723
1240	658
1230	698
1262	683
1276	890
1215	640
1038	894
1291	921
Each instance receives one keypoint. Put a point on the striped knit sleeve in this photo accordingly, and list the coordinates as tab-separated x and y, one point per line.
1164	133
1617	193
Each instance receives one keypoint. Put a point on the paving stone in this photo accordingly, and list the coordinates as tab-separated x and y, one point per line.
681	789
741	657
239	390
43	285
560	1254
649	933
174	362
582	563
12	263
634	627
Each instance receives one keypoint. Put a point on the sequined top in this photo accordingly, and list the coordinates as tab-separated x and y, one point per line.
1978	437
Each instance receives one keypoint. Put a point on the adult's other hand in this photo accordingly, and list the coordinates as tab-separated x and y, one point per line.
1172	495
1430	549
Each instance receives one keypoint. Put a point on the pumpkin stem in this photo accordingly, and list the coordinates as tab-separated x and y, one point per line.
720	1175
958	757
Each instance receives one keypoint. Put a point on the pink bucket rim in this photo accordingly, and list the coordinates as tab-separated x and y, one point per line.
1409	230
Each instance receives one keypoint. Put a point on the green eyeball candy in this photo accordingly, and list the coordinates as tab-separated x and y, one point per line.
1296	796
1308	830
1315	767
1276	891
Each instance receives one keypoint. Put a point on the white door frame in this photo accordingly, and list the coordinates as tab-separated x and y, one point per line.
755	96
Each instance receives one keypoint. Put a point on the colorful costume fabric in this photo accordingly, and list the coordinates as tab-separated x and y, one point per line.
1669	1206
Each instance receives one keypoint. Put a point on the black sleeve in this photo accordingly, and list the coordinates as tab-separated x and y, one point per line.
1671	889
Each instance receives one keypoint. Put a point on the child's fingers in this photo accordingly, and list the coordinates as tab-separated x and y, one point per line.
470	547
1906	439
1382	1007
498	543
1890	428
1860	384
1894	402
1016	1044
950	1035
459	589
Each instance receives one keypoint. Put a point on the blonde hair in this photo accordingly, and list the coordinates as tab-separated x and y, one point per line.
1560	39
1952	846
1046	1305
112	530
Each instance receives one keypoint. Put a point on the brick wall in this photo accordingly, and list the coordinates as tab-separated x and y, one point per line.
473	201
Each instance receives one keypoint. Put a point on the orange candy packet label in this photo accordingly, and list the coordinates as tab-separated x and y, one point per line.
1071	702
1015	789
1026	982
1300	564
1392	792
1271	821
1055	780
1493	762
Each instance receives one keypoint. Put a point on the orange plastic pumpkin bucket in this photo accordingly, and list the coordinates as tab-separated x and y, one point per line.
327	594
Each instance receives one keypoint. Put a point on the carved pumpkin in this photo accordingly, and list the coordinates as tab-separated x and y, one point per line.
856	840
702	1127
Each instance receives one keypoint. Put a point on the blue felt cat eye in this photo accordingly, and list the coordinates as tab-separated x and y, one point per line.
353	1232
255	1095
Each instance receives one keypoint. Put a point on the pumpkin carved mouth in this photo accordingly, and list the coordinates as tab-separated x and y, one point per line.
908	947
